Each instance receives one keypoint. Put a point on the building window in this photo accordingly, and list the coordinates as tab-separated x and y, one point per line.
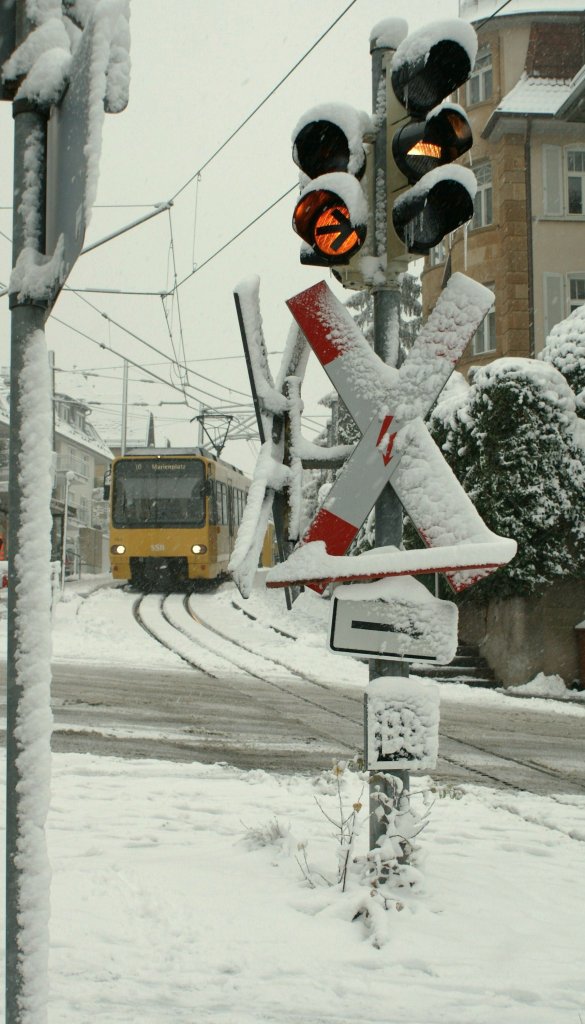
575	180
480	84
484	339
576	293
483	209
563	181
562	295
438	254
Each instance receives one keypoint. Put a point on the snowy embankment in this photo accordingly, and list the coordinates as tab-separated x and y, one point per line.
185	892
177	896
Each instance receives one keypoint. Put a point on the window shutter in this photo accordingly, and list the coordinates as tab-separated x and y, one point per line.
554	306
552	179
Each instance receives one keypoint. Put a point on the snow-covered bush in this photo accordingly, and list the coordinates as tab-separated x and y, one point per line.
565	349
514	441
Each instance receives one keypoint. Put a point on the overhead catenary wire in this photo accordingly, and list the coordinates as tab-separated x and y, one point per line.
226	407
153	348
494	14
138	366
177	284
262	102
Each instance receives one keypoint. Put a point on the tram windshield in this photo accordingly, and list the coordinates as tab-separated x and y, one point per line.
158	492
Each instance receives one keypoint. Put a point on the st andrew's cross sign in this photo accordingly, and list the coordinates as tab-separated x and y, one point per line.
388	406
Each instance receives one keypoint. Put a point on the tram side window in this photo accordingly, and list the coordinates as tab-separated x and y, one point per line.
213	503
221	503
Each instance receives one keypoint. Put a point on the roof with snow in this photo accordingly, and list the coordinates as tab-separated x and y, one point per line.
535	96
473	10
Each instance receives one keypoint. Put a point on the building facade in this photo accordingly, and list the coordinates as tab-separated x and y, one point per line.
79	513
527	238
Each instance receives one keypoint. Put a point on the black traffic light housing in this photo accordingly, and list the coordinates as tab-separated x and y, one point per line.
425	133
331	213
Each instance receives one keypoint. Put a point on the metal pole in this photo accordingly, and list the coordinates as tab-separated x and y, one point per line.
388	529
124	408
69	475
27	318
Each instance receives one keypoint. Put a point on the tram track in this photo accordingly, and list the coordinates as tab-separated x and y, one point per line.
273	672
232	653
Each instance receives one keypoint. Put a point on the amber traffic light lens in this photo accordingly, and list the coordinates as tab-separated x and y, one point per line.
323	220
334	234
421	146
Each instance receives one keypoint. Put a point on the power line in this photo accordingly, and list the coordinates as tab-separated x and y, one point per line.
500	8
239	234
138	366
262	102
153	348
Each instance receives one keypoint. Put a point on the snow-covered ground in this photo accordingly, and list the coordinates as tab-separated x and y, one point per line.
193	892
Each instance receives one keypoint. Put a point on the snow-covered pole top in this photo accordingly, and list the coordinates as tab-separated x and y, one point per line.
43	60
388	34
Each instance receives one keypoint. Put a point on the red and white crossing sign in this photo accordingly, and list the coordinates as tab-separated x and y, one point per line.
396	447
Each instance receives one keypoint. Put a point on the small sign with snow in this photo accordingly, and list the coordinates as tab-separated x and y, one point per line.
402	724
394	619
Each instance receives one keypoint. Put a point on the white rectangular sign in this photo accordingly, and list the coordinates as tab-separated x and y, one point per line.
392	619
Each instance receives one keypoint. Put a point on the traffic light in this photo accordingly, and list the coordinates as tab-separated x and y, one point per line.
331	214
425	133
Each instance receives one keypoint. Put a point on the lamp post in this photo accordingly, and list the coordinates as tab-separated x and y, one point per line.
69	477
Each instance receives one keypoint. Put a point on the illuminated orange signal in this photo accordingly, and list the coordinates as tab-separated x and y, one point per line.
334	233
324	221
426	149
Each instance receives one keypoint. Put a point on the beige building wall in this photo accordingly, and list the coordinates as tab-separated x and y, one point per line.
558	243
522	244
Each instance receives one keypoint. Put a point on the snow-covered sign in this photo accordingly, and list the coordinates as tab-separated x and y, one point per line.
402	724
97	81
271	475
388	406
395	619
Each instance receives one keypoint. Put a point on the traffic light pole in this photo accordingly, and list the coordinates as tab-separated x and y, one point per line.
27	871
388	528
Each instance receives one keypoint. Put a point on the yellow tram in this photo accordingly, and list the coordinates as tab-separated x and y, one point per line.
174	515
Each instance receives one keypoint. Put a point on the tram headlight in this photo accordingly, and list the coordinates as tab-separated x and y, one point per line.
199	549
118	549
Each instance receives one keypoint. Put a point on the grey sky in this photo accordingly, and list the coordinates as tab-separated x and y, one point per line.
198	70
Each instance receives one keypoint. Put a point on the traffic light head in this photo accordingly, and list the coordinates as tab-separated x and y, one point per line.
431	63
331	213
425	134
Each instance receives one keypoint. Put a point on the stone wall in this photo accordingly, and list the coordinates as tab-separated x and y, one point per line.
522	636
